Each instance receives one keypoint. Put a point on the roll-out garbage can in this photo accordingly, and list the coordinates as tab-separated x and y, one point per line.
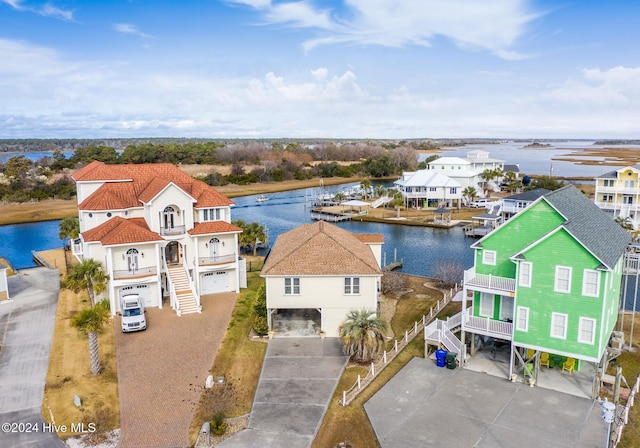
440	357
450	360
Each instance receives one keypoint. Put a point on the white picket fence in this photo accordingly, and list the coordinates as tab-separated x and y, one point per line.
622	414
409	335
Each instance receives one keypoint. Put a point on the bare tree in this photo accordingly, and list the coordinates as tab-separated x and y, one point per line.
393	283
448	273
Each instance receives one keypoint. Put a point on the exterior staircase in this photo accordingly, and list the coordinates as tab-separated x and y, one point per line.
187	303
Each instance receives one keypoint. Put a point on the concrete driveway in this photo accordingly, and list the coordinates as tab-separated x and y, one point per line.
26	330
424	405
298	378
162	371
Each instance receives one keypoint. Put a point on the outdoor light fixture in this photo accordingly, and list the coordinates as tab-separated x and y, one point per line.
142	253
206	245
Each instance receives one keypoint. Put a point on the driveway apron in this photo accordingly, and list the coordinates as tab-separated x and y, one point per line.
427	406
298	379
26	331
162	371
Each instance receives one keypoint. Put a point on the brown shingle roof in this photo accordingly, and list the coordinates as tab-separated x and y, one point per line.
320	249
127	185
370	237
119	230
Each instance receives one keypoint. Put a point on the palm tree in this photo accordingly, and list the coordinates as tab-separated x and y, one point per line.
397	202
511	179
339	196
363	335
90	322
624	222
243	238
69	228
380	190
470	193
89	275
257	234
365	184
486	176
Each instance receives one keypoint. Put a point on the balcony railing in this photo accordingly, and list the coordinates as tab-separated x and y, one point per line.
488	281
619	190
171	231
489	327
134	273
218	259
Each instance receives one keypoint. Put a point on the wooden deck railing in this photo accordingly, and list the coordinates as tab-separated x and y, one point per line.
622	414
409	335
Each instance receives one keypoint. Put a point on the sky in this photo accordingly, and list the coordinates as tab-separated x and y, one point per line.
376	69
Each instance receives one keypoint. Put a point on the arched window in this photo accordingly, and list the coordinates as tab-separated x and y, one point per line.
214	247
132	260
168	217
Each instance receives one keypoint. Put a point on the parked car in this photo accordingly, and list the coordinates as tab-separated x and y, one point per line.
133	318
480	203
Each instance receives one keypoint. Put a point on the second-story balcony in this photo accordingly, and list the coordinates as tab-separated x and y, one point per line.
488	282
218	259
502	329
134	273
172	231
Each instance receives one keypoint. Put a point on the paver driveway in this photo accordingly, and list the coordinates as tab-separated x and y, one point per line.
162	371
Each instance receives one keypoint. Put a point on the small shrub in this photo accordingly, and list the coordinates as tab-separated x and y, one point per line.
218	425
260	325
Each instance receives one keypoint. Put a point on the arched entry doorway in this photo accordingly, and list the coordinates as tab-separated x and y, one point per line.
172	252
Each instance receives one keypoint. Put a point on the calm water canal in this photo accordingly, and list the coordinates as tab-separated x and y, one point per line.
421	248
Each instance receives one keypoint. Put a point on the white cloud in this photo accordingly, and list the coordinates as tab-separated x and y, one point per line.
491	25
616	86
47	10
128	28
45	94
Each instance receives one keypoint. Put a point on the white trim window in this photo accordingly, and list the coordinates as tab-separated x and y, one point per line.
489	257
352	285
591	283
291	286
211	214
525	273
559	325
487	302
563	279
587	330
522	324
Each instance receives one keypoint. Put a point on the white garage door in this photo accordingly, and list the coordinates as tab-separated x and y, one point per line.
144	291
213	282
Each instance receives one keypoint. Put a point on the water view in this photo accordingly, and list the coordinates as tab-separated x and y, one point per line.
19	240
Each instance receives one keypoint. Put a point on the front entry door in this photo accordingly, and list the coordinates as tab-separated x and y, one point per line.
172	253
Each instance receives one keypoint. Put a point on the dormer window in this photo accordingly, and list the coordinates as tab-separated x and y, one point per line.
212	214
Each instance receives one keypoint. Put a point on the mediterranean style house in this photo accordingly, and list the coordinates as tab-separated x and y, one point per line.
548	282
424	188
618	193
316	273
159	233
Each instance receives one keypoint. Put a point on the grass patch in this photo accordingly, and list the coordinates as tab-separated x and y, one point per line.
630	362
239	360
69	373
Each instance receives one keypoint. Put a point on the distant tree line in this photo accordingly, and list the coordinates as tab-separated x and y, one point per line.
22	179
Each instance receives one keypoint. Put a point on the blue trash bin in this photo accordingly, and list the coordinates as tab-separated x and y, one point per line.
440	357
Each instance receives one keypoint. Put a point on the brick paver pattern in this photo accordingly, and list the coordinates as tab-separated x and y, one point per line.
162	371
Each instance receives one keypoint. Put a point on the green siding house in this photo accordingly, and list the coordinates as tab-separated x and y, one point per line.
548	281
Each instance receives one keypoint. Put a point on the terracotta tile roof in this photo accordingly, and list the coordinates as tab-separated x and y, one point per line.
119	230
205	228
127	185
370	237
320	249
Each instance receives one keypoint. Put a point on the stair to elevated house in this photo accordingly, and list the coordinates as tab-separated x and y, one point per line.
186	298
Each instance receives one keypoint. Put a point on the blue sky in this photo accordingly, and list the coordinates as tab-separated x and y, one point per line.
310	68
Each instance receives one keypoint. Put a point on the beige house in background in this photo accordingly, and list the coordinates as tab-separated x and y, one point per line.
316	273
